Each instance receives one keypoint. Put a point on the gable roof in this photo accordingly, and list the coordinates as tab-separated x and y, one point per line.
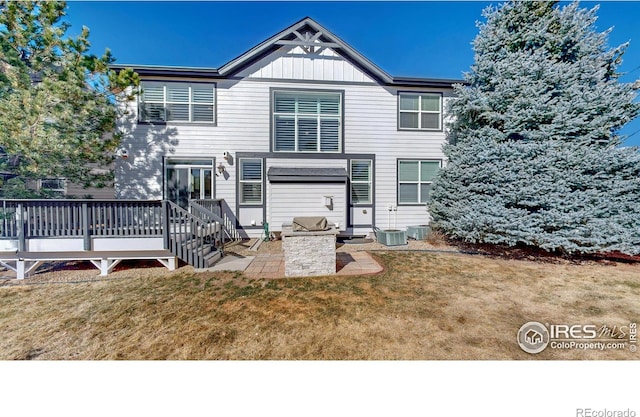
306	33
297	35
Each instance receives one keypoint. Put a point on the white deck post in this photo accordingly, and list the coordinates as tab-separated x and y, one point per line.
104	267
172	264
20	268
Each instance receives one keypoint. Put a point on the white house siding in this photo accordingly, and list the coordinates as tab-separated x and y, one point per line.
371	124
293	63
288	200
243	125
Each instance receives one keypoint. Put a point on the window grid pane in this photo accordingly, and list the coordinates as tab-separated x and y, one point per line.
360	171
307	134
425	192
408	171
409	120
152	112
360	193
285	133
429	170
409	102
329	135
178	112
251	169
153	93
202	94
430	103
430	120
178	93
408	193
251	193
330	105
202	113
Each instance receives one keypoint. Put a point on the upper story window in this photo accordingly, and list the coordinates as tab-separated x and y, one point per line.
177	102
307	121
420	111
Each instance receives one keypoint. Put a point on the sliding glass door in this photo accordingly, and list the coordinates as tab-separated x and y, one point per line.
188	180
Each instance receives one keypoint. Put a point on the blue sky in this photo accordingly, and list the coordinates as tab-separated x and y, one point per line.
422	39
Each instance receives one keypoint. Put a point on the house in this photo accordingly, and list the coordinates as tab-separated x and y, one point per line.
299	125
533	337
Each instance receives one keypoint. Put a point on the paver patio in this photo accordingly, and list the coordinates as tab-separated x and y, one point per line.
271	265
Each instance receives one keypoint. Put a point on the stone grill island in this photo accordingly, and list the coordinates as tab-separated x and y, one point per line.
309	246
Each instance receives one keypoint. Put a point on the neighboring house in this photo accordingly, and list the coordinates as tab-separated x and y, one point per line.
299	125
62	188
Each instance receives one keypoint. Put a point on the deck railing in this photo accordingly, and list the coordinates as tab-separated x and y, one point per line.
215	206
213	220
27	219
188	236
8	224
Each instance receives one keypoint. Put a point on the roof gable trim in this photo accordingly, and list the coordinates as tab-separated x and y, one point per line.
292	36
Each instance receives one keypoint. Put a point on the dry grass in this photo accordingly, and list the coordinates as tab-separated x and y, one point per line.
424	306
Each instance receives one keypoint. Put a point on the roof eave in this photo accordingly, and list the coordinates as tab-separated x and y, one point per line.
153	70
425	82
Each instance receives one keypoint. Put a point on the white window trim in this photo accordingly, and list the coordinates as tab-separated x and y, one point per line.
296	116
418	182
420	111
369	182
165	102
188	162
241	181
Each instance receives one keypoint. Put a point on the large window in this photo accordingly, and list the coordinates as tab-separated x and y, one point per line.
307	122
361	182
420	111
250	181
415	179
177	102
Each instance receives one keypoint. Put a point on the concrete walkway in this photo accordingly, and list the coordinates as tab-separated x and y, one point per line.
271	265
231	263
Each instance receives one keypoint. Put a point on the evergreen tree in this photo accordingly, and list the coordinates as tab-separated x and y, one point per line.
58	103
534	152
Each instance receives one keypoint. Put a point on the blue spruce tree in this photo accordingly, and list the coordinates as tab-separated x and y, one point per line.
534	152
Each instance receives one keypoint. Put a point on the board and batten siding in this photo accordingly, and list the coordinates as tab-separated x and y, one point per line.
243	125
294	64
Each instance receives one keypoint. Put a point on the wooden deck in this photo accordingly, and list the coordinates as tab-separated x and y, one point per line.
106	232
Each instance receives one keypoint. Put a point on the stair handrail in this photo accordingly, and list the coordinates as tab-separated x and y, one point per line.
208	216
223	219
180	241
